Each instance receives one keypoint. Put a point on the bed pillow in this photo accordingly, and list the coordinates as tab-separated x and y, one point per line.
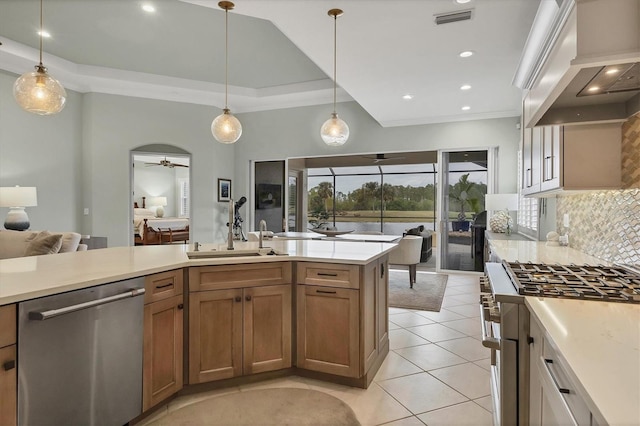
44	243
144	212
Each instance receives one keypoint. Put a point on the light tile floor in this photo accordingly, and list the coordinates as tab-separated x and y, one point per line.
436	373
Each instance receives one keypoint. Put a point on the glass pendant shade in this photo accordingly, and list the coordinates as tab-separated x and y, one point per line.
334	131
39	93
226	128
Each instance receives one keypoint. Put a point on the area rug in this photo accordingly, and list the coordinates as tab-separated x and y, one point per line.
426	294
279	406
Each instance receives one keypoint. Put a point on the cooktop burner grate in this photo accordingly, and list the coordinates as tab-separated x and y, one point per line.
604	283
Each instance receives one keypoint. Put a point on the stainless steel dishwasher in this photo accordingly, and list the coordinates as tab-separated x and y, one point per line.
80	357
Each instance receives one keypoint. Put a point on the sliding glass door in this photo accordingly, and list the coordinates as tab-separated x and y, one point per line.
463	178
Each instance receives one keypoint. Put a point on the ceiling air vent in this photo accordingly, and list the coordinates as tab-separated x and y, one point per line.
447	18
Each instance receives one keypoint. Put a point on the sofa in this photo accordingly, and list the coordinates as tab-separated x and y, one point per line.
34	243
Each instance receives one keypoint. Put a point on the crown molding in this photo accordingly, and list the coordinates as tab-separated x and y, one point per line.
19	58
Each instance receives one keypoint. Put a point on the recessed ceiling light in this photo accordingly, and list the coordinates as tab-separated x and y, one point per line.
466	108
147	7
466	54
593	89
407	97
465	87
462	1
44	34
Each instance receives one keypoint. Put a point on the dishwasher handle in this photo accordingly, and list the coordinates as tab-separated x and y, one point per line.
45	315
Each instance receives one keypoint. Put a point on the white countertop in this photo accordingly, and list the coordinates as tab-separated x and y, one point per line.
601	344
30	277
540	252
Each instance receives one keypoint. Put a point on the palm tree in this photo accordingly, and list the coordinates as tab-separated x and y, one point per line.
460	193
325	191
372	189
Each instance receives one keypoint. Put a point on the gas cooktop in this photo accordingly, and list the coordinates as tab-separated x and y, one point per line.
604	283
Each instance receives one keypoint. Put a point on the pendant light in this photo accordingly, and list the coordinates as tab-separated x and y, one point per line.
37	91
225	127
334	131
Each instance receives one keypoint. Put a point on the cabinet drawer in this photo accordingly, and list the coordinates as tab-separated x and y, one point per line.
329	274
7	325
163	285
239	276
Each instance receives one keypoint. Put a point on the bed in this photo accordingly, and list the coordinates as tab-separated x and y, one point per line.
151	230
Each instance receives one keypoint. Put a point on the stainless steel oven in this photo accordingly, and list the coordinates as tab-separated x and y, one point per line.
505	319
505	330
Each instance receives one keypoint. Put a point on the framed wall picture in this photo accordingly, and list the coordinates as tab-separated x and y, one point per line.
224	189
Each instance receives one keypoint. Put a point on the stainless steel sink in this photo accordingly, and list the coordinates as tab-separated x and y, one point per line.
268	251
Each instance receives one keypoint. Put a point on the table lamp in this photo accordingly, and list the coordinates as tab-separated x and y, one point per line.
502	204
17	198
160	202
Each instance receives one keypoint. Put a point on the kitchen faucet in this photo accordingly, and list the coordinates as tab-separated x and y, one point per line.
263	227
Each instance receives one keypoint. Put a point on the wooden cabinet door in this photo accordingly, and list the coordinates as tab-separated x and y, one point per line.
267	328
215	335
535	385
551	155
163	336
383	303
525	178
328	330
8	386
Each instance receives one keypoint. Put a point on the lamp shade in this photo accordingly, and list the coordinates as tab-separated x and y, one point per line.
226	128
158	201
18	196
39	93
334	131
493	202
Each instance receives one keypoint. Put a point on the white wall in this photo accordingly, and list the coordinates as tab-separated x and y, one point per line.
155	181
81	157
115	125
295	132
45	152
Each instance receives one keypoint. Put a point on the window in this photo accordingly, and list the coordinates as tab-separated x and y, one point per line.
527	209
183	190
381	198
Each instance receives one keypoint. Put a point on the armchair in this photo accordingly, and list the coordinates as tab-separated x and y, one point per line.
408	253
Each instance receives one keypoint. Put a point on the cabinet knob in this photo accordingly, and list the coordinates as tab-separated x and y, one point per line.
238	299
9	365
181	306
248	298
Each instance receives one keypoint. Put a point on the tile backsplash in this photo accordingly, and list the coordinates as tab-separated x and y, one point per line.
604	224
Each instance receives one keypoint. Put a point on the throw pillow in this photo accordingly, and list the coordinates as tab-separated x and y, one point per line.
44	243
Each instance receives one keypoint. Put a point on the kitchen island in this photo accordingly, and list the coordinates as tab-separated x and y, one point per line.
30	277
313	308
598	343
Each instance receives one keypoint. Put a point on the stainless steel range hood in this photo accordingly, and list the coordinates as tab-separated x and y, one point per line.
581	62
602	93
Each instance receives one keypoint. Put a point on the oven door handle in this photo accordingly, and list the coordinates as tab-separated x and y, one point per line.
488	341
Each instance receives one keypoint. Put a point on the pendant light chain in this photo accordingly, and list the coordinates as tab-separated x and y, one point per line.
41	30
335	59
334	131
226	58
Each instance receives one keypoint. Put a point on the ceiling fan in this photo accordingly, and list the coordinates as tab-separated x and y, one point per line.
165	163
379	158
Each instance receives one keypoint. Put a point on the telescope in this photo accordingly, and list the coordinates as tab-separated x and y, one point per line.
239	203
